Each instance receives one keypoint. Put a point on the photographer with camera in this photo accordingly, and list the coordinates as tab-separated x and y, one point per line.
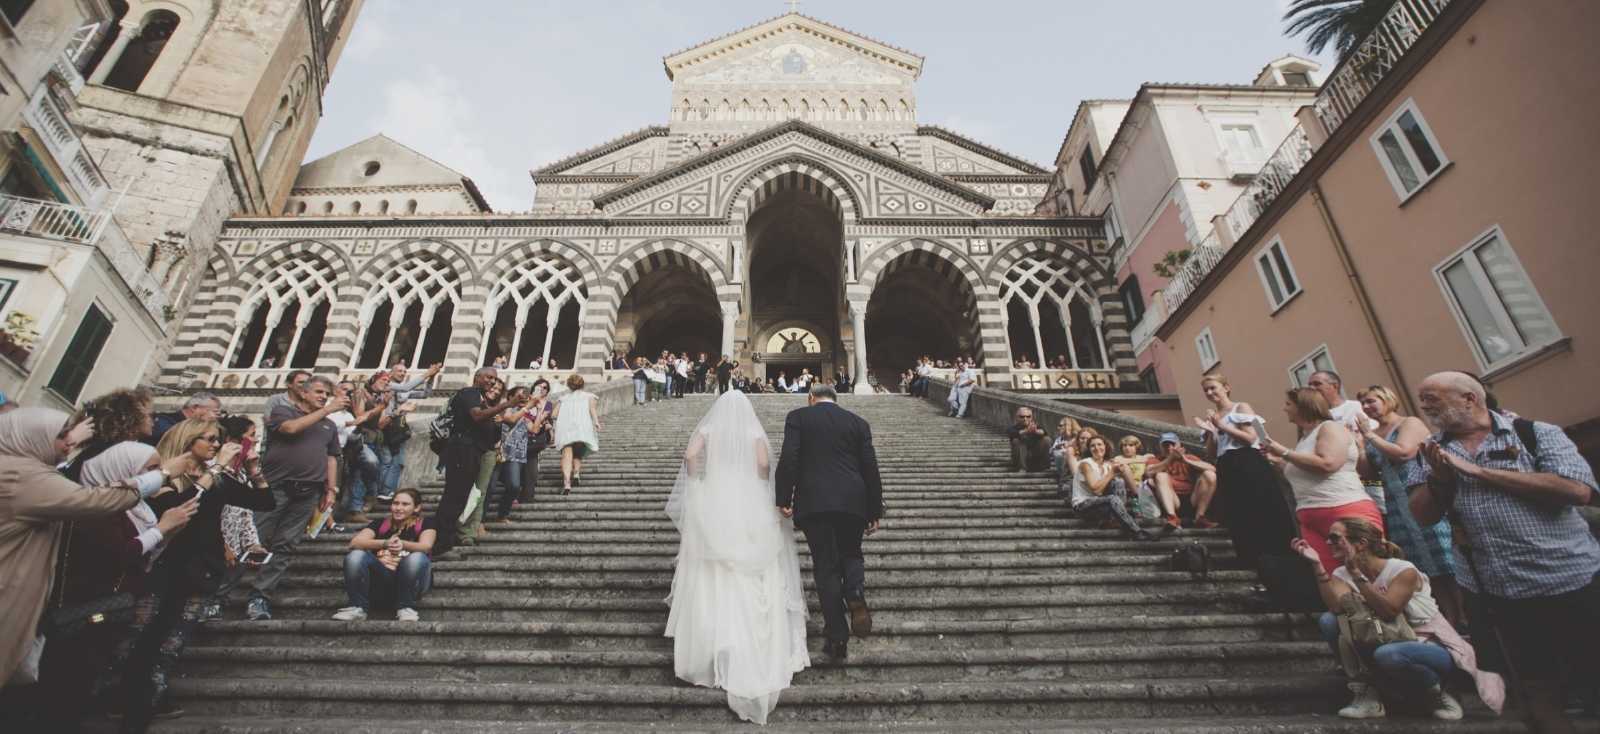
388	557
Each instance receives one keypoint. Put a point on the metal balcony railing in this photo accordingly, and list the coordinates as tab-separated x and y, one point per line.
1372	60
63	222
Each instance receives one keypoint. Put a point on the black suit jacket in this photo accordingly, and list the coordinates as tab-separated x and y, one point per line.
828	464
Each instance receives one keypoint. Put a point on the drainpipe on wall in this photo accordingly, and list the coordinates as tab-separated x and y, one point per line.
1367	312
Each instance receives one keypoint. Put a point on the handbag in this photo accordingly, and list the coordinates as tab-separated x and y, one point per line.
1361	632
66	621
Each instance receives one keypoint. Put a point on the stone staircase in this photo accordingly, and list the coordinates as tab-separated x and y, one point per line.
994	610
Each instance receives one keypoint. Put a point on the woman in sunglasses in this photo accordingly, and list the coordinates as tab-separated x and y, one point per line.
186	575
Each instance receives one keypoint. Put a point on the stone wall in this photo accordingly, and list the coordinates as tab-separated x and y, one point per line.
997	408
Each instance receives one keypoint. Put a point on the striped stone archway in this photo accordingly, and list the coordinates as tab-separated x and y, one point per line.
632	265
791	173
1076	254
986	329
203	331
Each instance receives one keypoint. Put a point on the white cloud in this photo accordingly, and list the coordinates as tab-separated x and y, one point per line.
429	113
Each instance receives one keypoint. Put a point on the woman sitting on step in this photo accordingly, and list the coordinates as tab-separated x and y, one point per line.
390	557
1100	494
1419	651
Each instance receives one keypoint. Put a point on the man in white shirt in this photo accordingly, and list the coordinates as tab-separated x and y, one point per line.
1345	411
966	380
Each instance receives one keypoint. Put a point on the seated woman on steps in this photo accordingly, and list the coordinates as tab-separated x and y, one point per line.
1371	578
390	557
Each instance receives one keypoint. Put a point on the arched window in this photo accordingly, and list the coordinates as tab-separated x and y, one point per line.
383	207
282	320
411	206
863	110
143	51
406	316
355	207
327	207
536	308
300	208
1053	313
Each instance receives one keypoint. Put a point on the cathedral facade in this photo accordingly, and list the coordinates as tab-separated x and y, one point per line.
791	213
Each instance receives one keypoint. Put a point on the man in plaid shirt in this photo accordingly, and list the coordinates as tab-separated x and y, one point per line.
1523	549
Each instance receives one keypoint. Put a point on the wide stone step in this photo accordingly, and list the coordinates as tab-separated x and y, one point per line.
380	632
853	703
889	607
655	667
1475	723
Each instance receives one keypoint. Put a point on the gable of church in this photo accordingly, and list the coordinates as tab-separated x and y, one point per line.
709	186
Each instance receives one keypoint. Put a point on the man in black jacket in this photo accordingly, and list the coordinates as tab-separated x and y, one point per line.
828	482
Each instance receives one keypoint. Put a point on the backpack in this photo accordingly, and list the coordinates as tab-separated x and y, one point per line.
440	429
1193	558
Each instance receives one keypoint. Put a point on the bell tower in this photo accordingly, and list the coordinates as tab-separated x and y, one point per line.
199	110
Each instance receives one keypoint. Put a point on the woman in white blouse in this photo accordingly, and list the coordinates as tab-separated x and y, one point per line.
1322	470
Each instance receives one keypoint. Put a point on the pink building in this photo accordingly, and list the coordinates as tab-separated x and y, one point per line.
1430	213
1158	168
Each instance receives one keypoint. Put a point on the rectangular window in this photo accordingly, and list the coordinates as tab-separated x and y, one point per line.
1087	168
1296	79
7	287
1317	361
82	353
13	10
1207	348
1112	229
1277	275
1409	153
1147	378
1500	313
1132	299
1241	140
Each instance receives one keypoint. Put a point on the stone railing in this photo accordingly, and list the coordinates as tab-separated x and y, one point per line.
998	408
1357	75
276	378
1058	380
47	115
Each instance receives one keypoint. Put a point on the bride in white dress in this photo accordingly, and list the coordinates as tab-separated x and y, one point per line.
738	619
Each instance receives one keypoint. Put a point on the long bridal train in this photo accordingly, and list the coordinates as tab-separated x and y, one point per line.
738	618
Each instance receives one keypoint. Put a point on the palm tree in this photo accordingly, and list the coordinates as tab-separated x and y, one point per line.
1343	23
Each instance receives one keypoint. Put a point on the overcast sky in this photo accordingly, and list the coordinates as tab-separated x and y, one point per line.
493	88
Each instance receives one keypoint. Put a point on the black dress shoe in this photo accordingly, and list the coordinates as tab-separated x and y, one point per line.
837	652
860	617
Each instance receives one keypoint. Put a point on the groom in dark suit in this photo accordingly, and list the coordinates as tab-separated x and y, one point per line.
828	482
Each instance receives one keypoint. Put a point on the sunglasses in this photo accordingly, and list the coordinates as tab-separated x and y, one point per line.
212	439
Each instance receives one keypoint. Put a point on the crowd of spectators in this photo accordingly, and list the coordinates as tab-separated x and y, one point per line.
1406	533
675	375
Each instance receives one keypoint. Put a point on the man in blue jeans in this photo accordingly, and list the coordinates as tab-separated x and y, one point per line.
390	557
392	452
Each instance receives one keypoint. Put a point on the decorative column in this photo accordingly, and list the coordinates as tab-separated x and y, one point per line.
126	35
730	319
858	324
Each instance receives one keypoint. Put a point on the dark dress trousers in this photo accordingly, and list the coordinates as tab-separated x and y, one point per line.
828	473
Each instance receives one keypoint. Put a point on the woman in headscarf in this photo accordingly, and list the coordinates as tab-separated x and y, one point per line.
104	555
34	498
187	573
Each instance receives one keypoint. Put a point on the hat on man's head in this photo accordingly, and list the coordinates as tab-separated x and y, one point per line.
1170	437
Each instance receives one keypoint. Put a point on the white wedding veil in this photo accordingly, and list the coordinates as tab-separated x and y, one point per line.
723	503
738	614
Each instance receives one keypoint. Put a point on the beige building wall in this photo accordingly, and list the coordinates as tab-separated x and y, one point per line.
1520	161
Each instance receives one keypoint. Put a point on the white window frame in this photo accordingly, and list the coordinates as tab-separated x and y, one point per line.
1205	345
1262	261
1501	316
1392	125
1113	228
1311	361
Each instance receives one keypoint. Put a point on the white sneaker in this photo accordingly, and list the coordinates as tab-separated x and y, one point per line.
406	614
350	614
1445	706
1365	705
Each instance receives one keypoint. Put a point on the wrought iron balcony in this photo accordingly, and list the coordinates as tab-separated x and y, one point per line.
1274	177
65	223
1371	61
